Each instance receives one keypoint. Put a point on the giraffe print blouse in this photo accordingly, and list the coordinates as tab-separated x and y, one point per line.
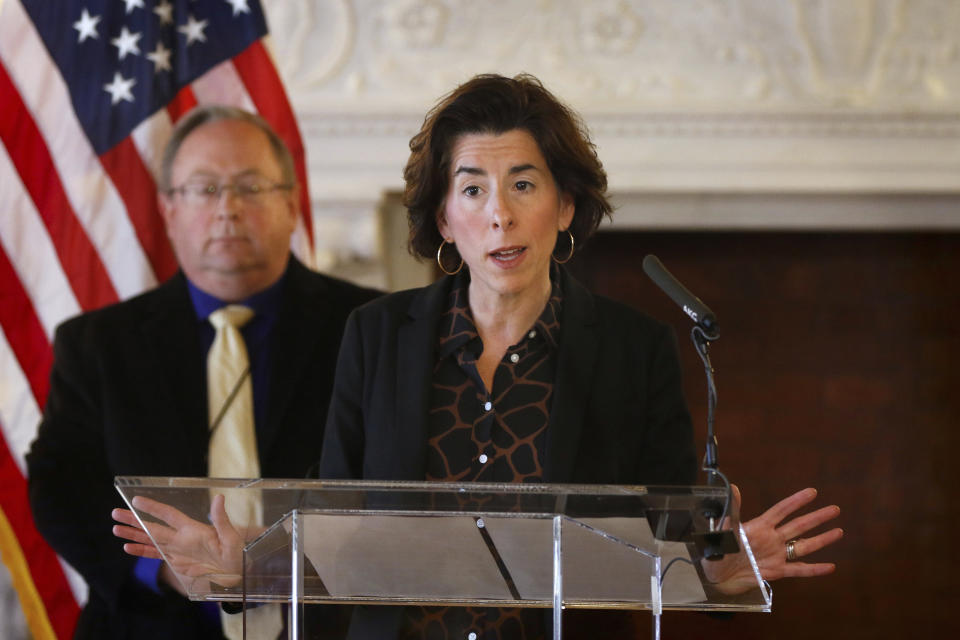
481	435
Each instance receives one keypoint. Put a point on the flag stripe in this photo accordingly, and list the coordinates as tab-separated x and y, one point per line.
181	103
264	86
32	161
31	252
149	137
223	85
19	411
30	350
93	198
132	179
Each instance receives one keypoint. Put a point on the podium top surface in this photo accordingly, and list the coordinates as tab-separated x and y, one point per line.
521	499
393	542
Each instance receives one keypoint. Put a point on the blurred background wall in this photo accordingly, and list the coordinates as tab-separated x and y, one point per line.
796	163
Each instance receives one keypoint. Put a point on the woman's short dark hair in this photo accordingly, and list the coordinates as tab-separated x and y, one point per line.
496	104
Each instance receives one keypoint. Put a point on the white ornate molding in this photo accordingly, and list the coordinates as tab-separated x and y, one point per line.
722	97
618	54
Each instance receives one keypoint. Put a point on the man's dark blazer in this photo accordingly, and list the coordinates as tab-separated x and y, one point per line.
127	397
618	413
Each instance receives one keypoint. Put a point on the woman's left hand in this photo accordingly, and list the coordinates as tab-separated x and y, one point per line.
769	537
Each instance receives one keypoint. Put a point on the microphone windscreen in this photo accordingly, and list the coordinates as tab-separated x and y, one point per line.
691	304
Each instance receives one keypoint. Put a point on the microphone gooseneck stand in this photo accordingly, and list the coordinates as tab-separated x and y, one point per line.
715	542
701	340
712	510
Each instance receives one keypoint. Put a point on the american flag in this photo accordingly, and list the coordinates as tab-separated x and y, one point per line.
89	91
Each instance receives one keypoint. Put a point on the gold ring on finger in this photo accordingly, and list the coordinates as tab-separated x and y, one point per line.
792	554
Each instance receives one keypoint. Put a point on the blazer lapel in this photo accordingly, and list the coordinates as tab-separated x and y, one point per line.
577	360
301	323
416	344
169	331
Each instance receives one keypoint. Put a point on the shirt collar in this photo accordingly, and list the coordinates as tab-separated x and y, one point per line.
264	303
457	327
548	324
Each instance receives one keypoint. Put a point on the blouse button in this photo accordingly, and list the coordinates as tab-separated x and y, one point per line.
514	358
483	458
487	405
532	334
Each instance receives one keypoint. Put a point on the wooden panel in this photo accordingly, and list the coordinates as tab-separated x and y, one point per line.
836	368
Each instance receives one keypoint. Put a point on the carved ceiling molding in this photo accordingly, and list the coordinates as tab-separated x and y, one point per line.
895	55
660	124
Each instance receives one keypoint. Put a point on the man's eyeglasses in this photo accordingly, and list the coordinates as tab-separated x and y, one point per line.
207	194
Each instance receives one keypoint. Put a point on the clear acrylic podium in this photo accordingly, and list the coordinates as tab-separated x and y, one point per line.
511	545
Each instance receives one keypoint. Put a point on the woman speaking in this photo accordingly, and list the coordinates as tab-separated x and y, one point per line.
507	369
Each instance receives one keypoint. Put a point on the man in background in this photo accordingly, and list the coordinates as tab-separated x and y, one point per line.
132	391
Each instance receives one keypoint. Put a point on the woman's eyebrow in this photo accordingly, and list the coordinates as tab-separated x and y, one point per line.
474	171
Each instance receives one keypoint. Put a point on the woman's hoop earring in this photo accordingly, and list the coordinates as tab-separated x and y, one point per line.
569	255
440	262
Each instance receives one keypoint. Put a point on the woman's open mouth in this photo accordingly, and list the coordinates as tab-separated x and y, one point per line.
509	255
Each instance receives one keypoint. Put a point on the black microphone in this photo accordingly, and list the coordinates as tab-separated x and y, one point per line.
691	304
